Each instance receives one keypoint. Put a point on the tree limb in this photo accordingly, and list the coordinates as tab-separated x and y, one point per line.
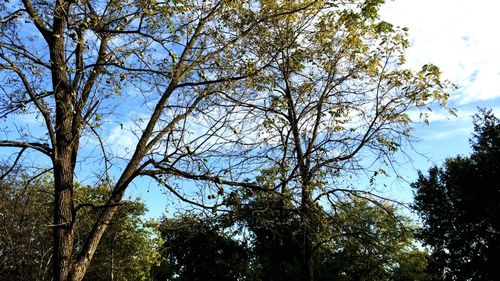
42	147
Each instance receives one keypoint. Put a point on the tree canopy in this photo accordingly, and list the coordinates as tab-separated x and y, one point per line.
203	97
459	205
369	240
198	248
332	102
127	251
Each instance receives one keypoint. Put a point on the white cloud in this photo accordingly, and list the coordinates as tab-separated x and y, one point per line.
459	37
122	138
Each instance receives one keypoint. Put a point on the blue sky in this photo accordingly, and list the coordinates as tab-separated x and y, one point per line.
457	36
460	38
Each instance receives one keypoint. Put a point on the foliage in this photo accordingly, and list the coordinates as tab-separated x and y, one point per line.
272	226
25	236
415	265
127	251
459	203
304	88
333	101
361	239
196	248
372	242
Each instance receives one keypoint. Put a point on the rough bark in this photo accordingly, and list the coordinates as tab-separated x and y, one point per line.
63	222
66	148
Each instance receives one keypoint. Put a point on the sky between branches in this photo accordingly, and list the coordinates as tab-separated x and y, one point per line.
460	38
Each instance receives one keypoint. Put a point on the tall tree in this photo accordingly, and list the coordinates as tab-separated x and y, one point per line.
332	103
459	203
78	67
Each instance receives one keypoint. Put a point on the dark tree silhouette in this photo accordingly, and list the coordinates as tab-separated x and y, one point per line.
459	205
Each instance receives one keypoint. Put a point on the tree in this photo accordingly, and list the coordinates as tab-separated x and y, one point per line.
459	203
367	239
127	251
372	241
321	81
77	67
196	248
271	224
332	103
25	248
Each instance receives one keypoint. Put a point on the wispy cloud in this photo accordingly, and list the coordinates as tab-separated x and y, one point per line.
122	138
459	131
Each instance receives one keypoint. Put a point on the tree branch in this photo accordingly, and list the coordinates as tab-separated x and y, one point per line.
13	164
42	147
44	30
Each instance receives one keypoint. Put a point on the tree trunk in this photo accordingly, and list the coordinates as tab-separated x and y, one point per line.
307	244
308	266
112	277
63	232
65	147
64	163
63	215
